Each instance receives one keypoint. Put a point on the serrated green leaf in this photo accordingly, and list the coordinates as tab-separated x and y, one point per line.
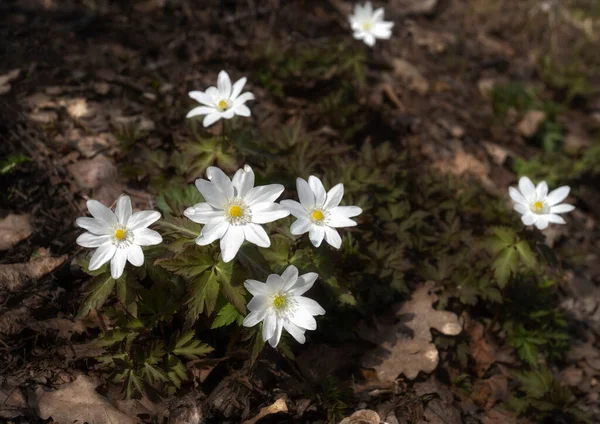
97	291
133	385
526	255
186	346
232	290
191	263
227	315
153	374
181	227
177	371
203	293
127	289
505	263
111	337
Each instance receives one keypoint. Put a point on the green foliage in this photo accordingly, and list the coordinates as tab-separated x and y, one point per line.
10	163
333	400
227	315
96	292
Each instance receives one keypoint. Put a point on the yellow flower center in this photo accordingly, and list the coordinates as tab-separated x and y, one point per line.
367	26
318	215
222	105
538	206
235	211
278	301
120	234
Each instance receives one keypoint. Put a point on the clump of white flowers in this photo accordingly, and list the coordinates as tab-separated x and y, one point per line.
234	210
319	213
223	101
368	25
537	206
117	236
279	304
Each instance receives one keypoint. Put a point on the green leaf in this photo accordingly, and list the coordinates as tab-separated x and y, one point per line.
190	348
227	315
97	291
233	291
191	263
133	385
177	371
505	263
526	255
536	383
176	226
177	199
203	294
153	374
111	337
11	162
127	289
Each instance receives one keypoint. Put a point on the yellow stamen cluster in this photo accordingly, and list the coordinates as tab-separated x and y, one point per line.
120	234
538	206
318	215
235	211
278	301
367	26
222	105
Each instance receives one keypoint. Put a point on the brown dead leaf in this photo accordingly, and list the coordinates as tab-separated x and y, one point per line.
410	76
65	327
414	7
365	416
78	401
14	276
487	393
441	409
481	351
12	401
530	124
6	79
406	347
13	229
498	415
278	406
94	172
464	164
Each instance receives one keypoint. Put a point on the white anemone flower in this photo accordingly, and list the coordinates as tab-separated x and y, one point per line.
234	210
280	304
222	101
319	213
368	25
117	236
537	206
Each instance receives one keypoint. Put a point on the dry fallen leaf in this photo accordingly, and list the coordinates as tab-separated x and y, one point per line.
278	406
13	229
481	351
488	392
78	402
530	124
14	276
12	401
406	347
365	416
410	75
65	327
6	79
498	415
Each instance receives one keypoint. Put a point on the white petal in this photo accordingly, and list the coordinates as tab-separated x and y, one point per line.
101	212
318	190
337	221
517	196
378	14
224	84
562	208
228	114
346	211
274	341
142	219
334	196
259	303
300	226
237	88
135	255
274	284
309	305
243	99
333	237
123	209
304	283
212	231
256	288
254	318
202	213
94	225
269	326
303	319
527	189
102	255
204	98
200	110
92	240
541	223
368	9
213	92
316	235
369	39
289	277
268	212
266	193
295	331
555	219
241	110
212	195
256	234
383	30
305	194
558	195
243	181
210	119
117	263
541	190
220	180
231	242
529	218
146	237
522	209
295	208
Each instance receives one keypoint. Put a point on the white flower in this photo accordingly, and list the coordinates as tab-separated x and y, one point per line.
280	304
223	101
319	213
117	236
234	210
537	205
369	25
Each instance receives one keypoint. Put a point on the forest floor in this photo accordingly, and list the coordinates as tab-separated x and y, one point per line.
93	98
